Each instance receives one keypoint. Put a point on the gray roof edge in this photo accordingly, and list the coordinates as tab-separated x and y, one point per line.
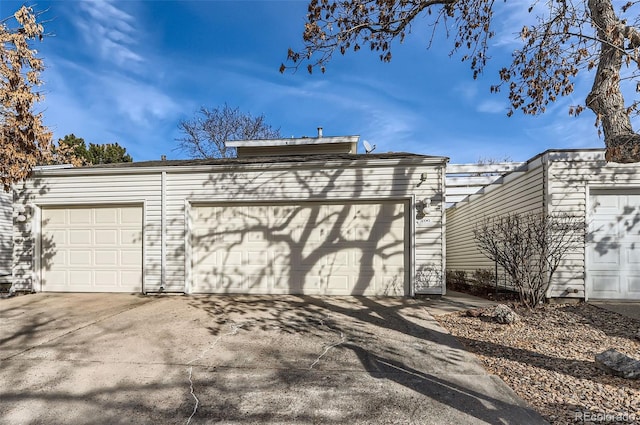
565	151
251	162
291	141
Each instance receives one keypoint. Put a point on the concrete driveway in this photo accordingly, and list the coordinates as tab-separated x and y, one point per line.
111	358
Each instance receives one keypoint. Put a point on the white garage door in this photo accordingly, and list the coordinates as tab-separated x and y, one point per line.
92	249
613	245
311	248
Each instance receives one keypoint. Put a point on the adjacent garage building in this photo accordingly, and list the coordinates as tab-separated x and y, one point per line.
299	216
581	183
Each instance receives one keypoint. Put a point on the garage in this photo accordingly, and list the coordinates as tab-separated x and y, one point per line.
613	245
302	215
91	249
310	248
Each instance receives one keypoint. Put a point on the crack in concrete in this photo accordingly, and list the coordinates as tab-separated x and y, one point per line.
343	339
235	328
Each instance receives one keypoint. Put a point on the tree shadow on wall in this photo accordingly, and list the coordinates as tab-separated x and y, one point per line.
25	255
309	246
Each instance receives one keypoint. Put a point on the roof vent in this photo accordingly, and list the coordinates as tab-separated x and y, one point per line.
319	132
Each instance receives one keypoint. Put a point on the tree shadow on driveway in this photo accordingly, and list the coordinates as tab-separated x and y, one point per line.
458	392
393	340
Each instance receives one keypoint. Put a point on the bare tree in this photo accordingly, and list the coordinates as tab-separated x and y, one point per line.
206	134
530	248
568	36
24	140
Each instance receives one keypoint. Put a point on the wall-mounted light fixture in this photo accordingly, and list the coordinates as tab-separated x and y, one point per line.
423	207
423	178
426	206
22	212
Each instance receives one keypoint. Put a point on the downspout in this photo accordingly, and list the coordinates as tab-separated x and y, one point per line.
163	231
546	201
443	227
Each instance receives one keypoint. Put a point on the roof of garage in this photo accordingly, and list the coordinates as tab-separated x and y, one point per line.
230	162
269	159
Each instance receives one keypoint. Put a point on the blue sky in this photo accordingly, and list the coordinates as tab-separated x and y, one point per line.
129	71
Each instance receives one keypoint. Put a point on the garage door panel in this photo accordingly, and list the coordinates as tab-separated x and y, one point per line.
80	278
80	237
56	258
633	283
80	216
255	237
204	236
106	236
105	216
208	259
130	237
55	217
230	237
105	257
129	278
632	254
389	284
326	244
230	281
56	237
81	258
131	215
257	258
606	282
342	258
232	258
92	249
55	277
606	257
131	258
338	283
106	278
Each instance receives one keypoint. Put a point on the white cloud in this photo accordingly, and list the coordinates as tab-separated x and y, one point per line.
109	31
510	18
492	107
140	103
467	89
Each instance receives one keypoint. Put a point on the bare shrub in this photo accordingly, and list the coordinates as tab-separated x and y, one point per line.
456	277
484	277
530	248
428	277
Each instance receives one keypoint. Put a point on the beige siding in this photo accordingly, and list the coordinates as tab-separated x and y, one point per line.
328	148
6	239
336	184
521	192
571	175
74	189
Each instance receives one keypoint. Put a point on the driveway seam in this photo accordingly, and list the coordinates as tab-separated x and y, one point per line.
75	330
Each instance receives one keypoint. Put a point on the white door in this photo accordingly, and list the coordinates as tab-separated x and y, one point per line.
92	249
310	248
613	245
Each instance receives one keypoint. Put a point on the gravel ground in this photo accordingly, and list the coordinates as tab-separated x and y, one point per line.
548	358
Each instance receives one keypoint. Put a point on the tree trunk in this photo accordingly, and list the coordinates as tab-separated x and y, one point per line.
605	99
